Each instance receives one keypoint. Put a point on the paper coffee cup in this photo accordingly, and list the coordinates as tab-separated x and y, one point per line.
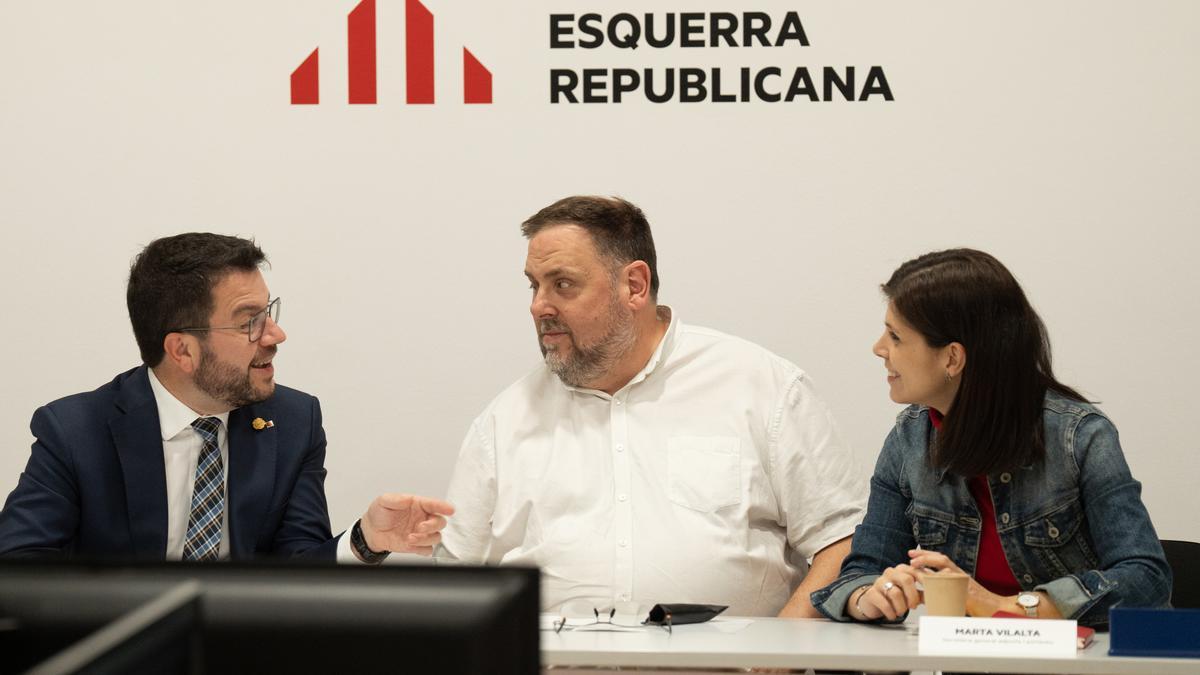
945	593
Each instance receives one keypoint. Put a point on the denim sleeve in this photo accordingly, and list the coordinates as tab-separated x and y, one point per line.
1133	570
882	540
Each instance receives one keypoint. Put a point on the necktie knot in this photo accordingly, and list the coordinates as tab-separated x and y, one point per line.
207	427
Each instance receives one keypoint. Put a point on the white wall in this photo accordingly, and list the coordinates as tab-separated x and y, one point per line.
1061	137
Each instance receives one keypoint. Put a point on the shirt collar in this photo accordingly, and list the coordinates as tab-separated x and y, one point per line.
665	345
174	417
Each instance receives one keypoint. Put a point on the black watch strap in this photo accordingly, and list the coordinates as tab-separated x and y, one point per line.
359	543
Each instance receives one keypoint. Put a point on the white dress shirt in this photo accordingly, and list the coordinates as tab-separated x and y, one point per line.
711	477
181	452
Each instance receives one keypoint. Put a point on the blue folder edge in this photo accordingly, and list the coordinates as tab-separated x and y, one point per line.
1167	633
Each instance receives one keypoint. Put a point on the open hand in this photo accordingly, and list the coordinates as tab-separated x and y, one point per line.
405	523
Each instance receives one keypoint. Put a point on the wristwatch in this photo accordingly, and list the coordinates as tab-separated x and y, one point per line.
1029	602
359	543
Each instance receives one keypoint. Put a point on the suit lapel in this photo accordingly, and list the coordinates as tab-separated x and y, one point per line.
251	476
138	440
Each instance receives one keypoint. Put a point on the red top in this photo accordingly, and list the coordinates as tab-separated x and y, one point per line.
991	570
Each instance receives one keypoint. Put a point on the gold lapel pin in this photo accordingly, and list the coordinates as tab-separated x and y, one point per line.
259	424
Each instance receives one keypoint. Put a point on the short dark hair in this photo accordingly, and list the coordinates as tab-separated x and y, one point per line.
171	282
967	296
618	228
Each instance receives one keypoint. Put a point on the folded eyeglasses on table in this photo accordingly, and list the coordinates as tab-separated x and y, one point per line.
663	615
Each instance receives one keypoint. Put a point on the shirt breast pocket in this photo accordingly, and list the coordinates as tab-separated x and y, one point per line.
1059	541
704	473
930	527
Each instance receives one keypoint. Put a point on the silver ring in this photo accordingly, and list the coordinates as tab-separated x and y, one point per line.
887	586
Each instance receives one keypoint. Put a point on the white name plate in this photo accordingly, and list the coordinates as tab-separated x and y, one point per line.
953	636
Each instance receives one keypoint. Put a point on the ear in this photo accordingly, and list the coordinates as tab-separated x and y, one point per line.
182	351
637	280
956	359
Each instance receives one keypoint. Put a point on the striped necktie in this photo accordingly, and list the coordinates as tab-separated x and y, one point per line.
203	540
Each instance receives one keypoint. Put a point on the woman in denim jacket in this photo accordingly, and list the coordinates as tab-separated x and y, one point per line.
997	469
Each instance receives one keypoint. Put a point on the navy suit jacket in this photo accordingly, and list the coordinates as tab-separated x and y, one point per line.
95	484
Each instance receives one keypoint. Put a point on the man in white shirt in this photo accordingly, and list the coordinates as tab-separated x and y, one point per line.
648	460
196	454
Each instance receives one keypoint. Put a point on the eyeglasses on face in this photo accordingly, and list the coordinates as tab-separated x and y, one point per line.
253	327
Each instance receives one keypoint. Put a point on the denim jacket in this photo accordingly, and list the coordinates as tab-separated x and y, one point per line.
1073	526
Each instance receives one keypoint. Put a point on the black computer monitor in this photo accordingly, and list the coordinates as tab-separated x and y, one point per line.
159	637
47	633
296	618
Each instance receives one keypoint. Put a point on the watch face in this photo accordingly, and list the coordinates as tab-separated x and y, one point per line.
1028	600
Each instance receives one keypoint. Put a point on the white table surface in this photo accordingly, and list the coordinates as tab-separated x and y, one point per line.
815	643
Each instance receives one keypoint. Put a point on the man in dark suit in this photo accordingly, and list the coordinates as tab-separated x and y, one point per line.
196	454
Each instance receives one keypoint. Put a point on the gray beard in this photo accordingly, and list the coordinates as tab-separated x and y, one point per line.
585	365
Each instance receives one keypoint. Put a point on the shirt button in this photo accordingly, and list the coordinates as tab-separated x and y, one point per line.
620	448
1004	518
622	543
622	498
619	401
624	596
1005	477
1027	579
1053	532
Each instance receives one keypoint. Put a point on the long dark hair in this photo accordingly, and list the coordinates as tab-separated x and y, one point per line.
967	296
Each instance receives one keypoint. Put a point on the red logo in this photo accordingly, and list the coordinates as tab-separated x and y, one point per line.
418	61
